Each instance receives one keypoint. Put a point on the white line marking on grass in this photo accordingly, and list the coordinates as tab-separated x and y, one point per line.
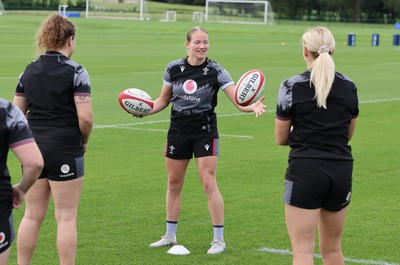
127	124
124	126
163	130
147	72
384	64
360	261
164	121
9	77
379	100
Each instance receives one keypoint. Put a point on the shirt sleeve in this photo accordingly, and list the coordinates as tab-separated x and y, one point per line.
167	76
356	111
19	132
224	78
20	90
284	104
81	82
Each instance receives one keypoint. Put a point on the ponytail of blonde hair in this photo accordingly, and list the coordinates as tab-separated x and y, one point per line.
320	43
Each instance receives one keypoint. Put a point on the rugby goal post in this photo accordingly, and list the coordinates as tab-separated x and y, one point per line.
117	9
170	16
239	11
1	8
62	10
198	16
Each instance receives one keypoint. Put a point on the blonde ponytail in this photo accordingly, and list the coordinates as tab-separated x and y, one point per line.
320	43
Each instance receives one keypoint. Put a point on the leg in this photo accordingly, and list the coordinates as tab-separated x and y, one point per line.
176	177
302	227
66	195
176	169
37	202
4	256
208	175
330	236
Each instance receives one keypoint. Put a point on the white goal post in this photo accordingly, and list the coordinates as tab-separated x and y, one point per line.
117	9
1	8
239	11
170	16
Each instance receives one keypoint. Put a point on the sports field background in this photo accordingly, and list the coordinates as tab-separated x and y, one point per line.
123	201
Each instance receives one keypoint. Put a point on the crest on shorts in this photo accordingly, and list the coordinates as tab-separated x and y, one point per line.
171	149
2	237
65	168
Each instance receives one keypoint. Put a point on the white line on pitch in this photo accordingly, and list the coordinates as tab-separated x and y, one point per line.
162	130
384	64
165	121
132	123
379	100
221	115
360	261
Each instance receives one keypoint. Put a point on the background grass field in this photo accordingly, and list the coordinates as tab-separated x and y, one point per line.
123	201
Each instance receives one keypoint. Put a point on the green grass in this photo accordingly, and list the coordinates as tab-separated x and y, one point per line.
123	202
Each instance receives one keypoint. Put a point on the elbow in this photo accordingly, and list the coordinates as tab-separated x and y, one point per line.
89	123
281	142
86	122
281	139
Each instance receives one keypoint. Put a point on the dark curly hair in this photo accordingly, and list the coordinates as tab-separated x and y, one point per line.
54	33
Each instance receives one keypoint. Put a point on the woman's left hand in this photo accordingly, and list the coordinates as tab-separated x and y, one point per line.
259	107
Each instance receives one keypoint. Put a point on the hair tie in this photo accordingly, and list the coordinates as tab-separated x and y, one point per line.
322	49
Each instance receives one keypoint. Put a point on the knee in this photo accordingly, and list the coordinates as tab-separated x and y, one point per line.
34	217
174	185
331	252
209	186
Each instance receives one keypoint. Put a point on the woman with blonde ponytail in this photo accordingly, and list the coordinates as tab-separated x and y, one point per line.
316	116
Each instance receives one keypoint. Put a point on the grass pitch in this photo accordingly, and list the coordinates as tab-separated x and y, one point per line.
123	201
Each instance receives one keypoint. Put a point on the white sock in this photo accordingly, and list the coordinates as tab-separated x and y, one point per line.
171	228
219	232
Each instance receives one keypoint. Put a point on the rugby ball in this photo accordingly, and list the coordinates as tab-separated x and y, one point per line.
135	101
249	87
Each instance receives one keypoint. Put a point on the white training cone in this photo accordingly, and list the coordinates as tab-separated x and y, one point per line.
178	250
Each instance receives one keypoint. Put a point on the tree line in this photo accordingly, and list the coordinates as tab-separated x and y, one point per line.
368	11
43	4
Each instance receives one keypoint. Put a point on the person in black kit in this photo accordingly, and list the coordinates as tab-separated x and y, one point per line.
191	84
15	135
316	116
54	93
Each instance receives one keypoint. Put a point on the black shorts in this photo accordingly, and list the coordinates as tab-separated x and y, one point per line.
185	145
6	233
318	183
62	161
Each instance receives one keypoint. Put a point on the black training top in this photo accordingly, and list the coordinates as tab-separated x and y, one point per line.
50	84
194	93
318	132
14	132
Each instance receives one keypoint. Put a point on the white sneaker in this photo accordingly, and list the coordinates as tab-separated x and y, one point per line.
166	240
216	247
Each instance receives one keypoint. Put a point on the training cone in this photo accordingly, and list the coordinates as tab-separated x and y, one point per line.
178	250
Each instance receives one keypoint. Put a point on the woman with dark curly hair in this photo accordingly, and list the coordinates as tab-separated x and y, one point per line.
54	93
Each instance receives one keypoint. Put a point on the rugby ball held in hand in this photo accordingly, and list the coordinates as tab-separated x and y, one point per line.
135	101
249	87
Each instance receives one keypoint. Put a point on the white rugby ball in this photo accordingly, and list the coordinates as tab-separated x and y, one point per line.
135	101
249	87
